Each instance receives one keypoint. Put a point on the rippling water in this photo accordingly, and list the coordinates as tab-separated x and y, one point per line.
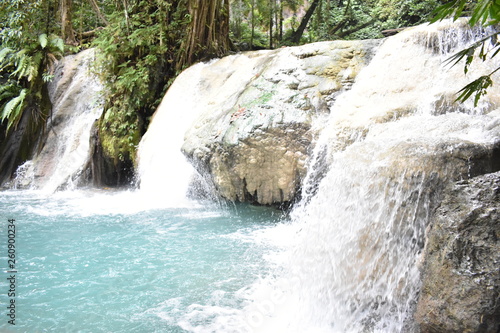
87	269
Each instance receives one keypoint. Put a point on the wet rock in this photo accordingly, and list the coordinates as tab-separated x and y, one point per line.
253	144
461	271
63	157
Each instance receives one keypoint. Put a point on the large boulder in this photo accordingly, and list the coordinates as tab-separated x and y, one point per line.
461	271
253	142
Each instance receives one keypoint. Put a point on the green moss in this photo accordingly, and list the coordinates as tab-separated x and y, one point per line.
258	94
120	134
266	97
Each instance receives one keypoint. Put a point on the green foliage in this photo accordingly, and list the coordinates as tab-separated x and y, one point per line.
346	20
259	40
477	87
25	71
403	13
484	13
137	51
12	110
343	19
20	21
250	23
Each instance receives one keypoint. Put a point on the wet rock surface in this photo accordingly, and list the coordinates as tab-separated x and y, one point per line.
253	145
461	273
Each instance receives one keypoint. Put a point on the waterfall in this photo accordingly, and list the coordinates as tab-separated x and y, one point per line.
348	257
351	260
76	96
162	168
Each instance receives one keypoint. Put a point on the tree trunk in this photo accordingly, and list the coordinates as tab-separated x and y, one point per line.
271	14
68	35
353	30
208	32
281	21
101	17
297	34
253	25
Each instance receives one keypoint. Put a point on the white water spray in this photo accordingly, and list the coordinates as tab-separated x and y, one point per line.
163	170
348	261
76	95
354	255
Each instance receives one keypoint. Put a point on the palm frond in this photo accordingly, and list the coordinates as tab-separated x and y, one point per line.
478	87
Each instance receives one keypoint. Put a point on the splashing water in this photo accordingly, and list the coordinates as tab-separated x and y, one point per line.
161	165
348	259
76	96
354	255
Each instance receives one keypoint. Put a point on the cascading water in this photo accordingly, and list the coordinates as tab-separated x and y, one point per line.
76	96
352	262
161	163
347	259
134	260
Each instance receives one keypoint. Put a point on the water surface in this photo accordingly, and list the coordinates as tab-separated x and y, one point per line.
96	262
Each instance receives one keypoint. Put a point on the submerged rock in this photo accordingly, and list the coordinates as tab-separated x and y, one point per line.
253	142
461	275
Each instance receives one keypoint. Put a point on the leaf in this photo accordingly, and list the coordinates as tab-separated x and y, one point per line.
478	86
8	90
13	109
494	11
21	65
469	51
480	13
43	40
496	52
459	10
4	52
57	42
444	11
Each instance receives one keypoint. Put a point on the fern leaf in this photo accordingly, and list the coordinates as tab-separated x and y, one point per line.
4	53
8	91
13	109
43	40
58	43
21	64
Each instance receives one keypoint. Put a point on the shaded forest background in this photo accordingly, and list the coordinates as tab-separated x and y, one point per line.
143	44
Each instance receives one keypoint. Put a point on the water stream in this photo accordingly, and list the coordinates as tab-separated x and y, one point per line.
346	259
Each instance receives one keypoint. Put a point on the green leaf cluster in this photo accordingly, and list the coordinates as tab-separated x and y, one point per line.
137	52
339	19
25	71
483	12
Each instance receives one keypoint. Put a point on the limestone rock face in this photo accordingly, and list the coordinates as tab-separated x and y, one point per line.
461	274
253	138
